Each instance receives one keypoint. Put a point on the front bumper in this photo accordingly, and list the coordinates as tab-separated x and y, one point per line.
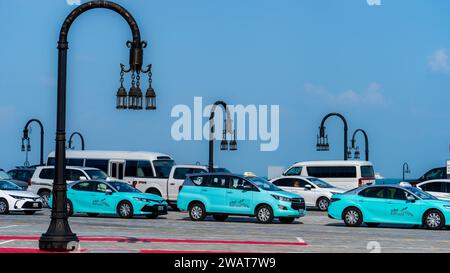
290	209
26	204
159	209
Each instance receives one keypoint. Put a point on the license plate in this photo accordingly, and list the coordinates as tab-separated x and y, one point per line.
160	208
35	205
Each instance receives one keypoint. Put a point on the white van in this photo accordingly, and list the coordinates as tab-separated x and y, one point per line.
346	174
147	171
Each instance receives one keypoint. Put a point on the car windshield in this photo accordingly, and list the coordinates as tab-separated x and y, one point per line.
122	187
97	174
8	186
320	183
4	175
264	184
163	167
421	194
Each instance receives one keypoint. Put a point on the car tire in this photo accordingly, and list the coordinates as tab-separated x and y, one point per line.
433	219
69	208
220	217
372	225
352	217
4	207
264	214
29	212
45	195
197	211
92	214
286	220
125	209
151	216
323	203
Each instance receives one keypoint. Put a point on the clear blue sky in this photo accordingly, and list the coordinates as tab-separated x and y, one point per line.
384	67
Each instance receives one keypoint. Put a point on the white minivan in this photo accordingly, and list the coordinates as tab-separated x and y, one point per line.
346	174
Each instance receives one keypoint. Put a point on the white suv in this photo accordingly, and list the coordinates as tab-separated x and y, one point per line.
42	179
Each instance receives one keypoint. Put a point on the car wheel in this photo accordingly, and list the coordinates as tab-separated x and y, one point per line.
4	207
151	216
45	195
287	220
323	203
197	212
29	212
433	219
264	214
125	209
353	217
220	217
373	225
69	208
92	214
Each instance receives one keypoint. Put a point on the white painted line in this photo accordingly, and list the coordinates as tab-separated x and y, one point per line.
5	242
11	226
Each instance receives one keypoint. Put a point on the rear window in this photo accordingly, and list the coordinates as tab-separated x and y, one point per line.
180	173
332	172
367	172
198	180
294	171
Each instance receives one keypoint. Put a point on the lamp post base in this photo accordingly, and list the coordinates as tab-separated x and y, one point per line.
58	243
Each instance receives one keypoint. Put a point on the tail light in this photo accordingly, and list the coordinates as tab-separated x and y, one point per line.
29	182
366	181
179	189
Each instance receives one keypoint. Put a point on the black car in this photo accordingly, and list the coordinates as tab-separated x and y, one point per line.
433	174
5	176
22	174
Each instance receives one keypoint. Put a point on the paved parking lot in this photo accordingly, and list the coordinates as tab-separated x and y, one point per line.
175	232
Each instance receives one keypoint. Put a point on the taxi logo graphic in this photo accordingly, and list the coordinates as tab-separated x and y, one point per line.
374	2
402	212
239	204
100	203
73	2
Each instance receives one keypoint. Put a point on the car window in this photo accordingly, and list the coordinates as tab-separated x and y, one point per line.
83	186
180	173
102	187
332	172
237	183
367	172
199	180
300	183
8	186
437	173
101	164
447	185
294	171
48	173
74	175
395	193
434	187
374	192
284	182
219	182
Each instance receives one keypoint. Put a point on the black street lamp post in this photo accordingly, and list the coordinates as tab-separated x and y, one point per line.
366	139
227	129
26	140
59	236
81	138
405	170
322	138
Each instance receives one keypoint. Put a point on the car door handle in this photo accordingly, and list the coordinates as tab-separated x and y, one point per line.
229	192
172	184
204	190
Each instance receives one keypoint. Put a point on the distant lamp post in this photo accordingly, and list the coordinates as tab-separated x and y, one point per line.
224	145
322	138
405	170
26	144
59	236
71	141
366	139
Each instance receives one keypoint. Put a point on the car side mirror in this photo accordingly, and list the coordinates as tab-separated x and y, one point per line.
410	198
308	187
109	192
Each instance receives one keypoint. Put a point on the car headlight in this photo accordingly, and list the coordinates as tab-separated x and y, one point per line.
281	198
144	199
17	197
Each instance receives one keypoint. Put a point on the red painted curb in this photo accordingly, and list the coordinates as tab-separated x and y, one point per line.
12	250
159	240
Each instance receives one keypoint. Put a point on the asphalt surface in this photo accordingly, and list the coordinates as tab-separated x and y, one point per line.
175	232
